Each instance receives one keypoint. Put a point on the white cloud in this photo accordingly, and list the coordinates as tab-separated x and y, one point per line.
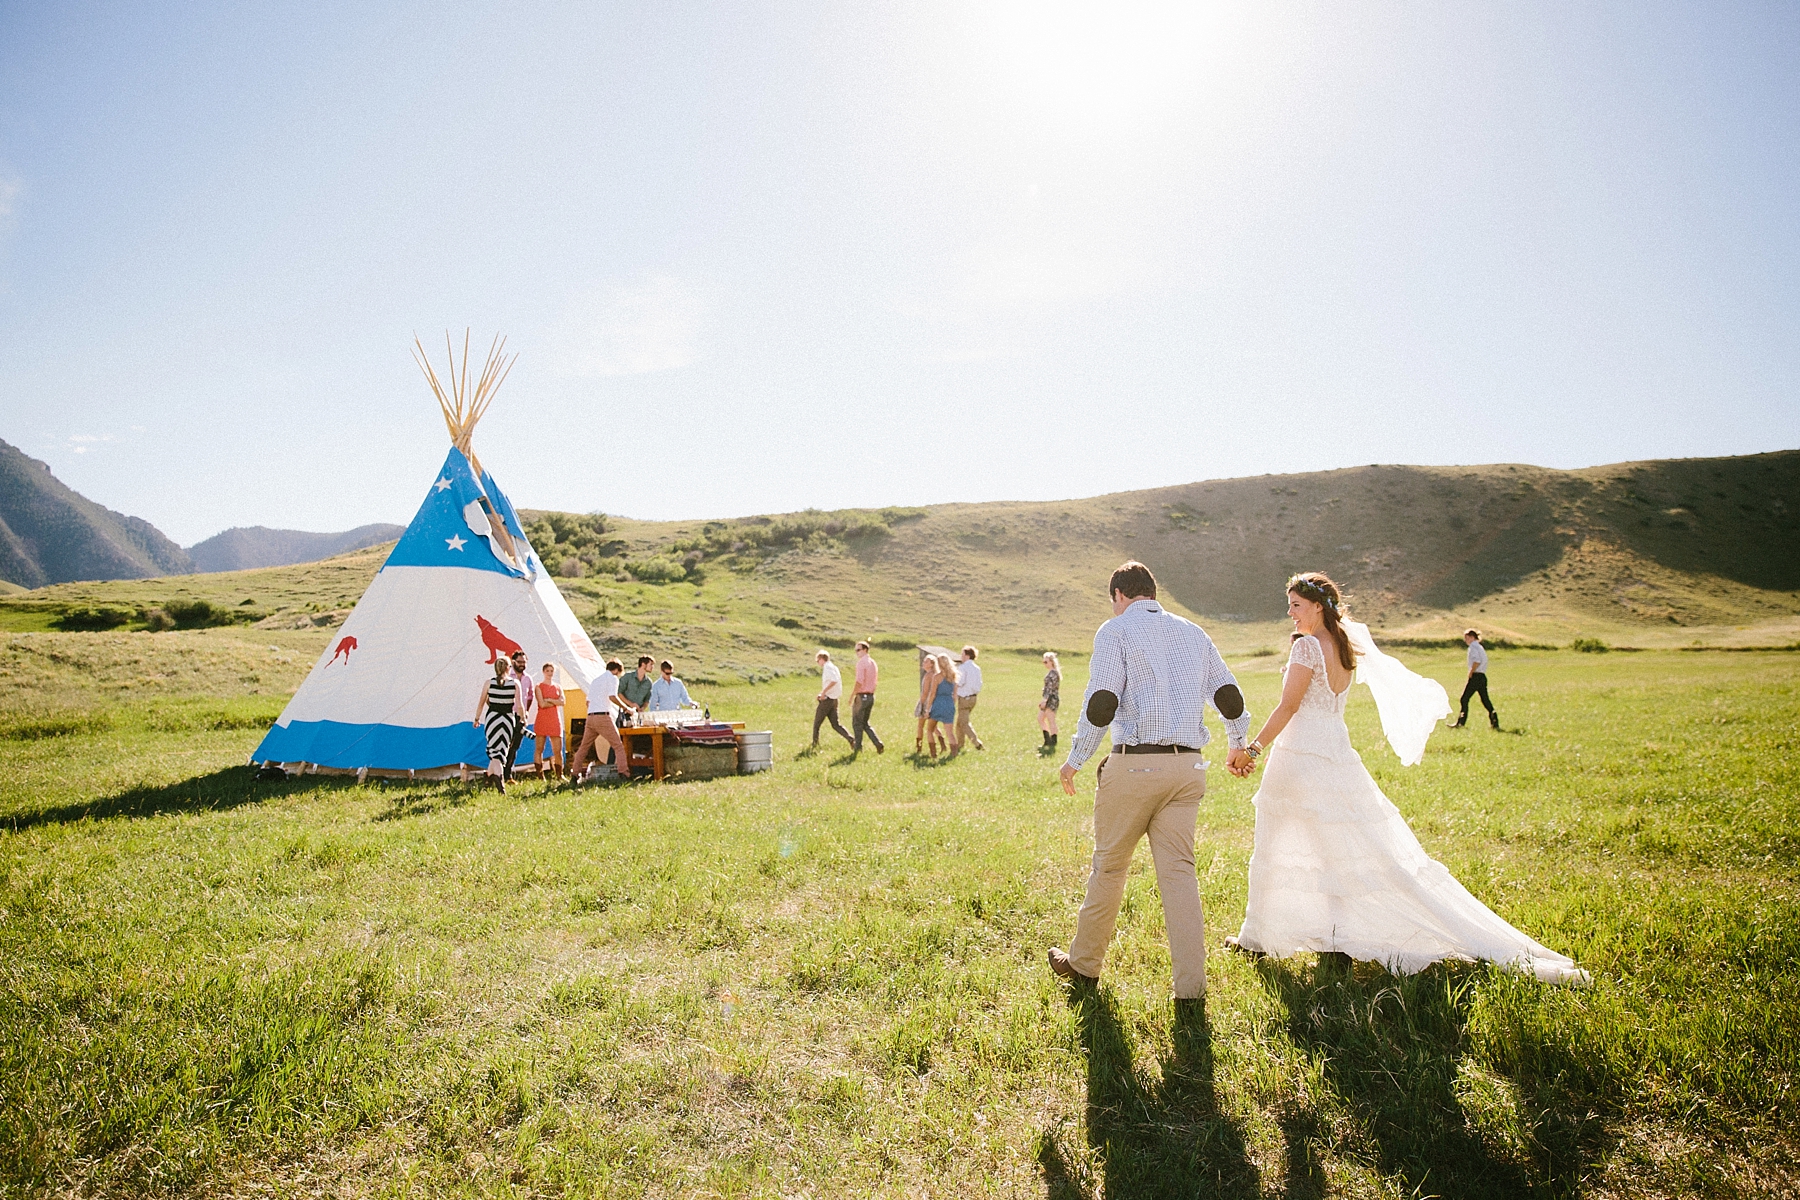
630	329
81	443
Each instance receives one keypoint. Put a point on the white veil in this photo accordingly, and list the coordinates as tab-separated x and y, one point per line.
1410	705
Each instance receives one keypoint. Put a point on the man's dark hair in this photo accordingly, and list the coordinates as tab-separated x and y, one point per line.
645	658
1474	633
1133	580
613	664
861	646
667	665
969	653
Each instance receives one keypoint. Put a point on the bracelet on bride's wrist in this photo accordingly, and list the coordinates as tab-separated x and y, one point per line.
1254	749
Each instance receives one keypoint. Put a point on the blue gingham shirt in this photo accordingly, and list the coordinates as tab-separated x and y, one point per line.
1164	670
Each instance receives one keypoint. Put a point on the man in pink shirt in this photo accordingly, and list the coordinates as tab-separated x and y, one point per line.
862	700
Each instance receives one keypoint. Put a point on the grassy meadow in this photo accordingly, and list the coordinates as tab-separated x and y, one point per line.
828	980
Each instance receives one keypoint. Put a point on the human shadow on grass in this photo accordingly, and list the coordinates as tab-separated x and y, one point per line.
1392	1048
1150	1138
217	791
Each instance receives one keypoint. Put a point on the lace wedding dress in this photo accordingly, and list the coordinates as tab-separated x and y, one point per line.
1336	868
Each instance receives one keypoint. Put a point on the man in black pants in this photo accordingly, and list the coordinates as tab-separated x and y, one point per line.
1477	685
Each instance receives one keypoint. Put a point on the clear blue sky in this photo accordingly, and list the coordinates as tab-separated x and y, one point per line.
764	257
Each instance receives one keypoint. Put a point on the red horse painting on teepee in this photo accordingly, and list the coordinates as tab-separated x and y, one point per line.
497	643
344	648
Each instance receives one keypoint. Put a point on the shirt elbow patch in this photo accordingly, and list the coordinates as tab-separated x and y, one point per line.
1101	708
1229	701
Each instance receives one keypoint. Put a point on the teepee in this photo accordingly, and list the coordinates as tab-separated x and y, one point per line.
396	690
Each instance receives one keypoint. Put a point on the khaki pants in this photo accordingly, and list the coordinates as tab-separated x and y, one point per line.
598	726
964	732
1159	795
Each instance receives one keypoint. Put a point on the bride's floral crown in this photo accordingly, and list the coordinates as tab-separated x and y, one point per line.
1312	591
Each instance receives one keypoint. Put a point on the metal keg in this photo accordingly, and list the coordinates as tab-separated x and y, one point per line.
756	751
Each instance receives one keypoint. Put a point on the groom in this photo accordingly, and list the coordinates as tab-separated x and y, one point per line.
1151	676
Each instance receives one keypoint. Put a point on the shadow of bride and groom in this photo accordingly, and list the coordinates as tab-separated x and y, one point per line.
1404	1096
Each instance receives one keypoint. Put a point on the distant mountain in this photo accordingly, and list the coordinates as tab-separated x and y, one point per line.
50	533
242	549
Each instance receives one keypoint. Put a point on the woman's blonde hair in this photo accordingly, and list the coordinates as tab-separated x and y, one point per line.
1055	663
945	666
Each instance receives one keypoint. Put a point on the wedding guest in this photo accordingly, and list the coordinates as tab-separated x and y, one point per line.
831	687
862	698
669	692
522	718
928	681
635	688
495	709
942	714
968	691
1051	701
547	728
1477	684
603	698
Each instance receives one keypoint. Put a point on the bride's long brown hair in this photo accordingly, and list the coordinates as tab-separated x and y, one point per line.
1318	587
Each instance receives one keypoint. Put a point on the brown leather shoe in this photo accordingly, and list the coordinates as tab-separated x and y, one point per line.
1062	968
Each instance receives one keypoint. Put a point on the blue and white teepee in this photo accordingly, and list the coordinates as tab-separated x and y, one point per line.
397	689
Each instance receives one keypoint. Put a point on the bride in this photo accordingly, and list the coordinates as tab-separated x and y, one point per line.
1336	869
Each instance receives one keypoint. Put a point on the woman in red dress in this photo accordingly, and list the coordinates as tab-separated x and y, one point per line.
548	727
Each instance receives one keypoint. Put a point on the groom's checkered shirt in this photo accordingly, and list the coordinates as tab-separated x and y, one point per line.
1164	670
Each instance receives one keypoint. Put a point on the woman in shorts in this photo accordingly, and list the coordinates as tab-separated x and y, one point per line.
1052	700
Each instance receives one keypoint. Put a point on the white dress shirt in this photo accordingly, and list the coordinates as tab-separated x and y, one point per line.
1164	670
1477	658
968	679
831	680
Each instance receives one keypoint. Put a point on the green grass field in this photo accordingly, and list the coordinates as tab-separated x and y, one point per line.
828	980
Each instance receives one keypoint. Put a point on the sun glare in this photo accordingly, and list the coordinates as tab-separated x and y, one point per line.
1096	64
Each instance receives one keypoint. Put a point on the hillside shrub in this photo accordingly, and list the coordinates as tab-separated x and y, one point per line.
894	644
1588	645
660	569
557	535
199	614
156	620
89	620
753	539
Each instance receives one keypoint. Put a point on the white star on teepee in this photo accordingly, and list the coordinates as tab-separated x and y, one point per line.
455	542
442	484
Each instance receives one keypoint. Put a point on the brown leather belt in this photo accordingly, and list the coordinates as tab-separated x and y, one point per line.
1157	748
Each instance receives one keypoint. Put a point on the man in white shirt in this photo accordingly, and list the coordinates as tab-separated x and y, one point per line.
1477	685
968	690
601	701
831	688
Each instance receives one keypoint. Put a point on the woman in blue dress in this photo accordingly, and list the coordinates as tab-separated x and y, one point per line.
943	706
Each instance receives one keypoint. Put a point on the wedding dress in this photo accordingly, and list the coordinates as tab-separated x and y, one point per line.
1336	868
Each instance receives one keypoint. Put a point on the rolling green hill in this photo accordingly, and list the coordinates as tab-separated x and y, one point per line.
1664	553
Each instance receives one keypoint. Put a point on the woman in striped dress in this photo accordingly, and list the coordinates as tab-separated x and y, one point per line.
494	713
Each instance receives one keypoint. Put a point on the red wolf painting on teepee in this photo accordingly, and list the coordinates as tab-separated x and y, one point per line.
344	648
497	643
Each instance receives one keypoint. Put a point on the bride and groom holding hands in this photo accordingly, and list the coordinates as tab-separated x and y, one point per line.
1335	869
